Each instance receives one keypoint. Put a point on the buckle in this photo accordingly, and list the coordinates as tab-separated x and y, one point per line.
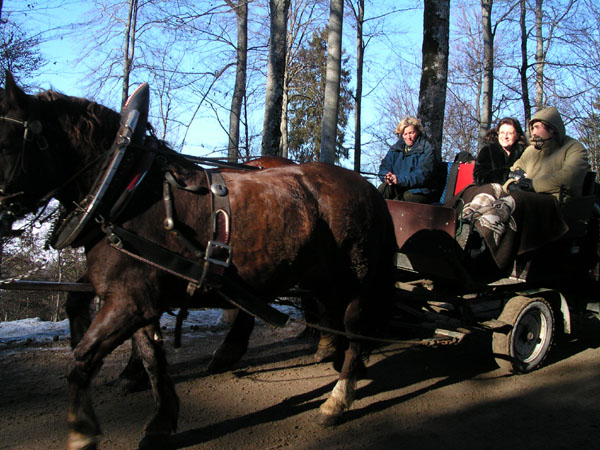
215	259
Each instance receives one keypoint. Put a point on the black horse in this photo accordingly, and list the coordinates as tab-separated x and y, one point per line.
315	225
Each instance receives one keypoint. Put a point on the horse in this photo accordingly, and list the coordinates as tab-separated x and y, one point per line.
235	344
314	225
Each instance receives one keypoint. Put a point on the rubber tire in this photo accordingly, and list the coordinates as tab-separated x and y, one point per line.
527	344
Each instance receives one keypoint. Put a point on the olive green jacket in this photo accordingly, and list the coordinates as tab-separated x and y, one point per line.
561	162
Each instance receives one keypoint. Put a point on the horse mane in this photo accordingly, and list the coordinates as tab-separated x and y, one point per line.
87	124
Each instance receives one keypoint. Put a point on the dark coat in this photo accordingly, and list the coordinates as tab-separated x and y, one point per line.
493	164
415	169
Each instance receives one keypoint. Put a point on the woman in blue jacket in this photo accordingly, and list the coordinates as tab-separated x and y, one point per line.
408	170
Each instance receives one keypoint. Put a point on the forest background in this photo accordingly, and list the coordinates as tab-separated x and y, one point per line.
503	58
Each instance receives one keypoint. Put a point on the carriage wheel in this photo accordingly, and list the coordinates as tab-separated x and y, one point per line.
526	345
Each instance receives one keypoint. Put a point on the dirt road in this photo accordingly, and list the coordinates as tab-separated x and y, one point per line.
446	398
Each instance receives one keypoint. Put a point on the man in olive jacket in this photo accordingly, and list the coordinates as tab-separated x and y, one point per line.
553	163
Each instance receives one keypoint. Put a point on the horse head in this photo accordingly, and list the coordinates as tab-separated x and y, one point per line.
21	146
44	140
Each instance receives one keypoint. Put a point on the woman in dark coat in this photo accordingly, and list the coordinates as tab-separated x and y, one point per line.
504	144
408	169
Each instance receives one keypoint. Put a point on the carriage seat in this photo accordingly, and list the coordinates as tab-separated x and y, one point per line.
457	176
579	211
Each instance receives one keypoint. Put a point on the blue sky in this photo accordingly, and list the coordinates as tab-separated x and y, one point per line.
63	75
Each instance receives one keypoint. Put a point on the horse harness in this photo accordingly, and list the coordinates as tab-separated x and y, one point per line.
207	269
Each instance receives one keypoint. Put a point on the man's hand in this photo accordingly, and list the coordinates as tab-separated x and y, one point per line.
517	174
524	184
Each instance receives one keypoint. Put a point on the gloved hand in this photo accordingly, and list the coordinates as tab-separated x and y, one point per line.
524	184
517	174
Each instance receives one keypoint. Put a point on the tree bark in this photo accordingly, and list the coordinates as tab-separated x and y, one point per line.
239	91
434	73
332	83
524	65
129	50
488	70
283	144
360	55
275	73
539	56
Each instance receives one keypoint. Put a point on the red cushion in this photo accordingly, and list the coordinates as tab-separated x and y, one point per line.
464	177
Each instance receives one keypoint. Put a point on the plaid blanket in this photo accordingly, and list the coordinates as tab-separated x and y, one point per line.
514	224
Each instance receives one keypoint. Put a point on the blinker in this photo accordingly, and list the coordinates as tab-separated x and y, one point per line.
218	189
35	126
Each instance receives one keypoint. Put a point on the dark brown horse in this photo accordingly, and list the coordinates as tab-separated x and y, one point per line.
134	376
316	225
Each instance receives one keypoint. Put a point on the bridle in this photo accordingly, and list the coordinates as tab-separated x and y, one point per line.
30	127
32	134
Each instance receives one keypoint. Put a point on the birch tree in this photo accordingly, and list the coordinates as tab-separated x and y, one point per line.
307	93
332	82
241	11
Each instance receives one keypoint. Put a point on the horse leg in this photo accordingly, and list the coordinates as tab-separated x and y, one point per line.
111	326
164	421
235	344
77	307
134	377
352	369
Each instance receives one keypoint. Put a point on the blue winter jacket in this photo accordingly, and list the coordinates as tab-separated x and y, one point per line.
415	169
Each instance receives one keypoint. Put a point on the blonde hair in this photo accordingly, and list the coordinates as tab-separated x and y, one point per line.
407	122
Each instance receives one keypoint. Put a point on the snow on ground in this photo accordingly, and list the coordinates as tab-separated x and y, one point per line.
36	330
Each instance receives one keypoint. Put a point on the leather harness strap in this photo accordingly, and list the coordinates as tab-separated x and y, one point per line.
218	250
192	271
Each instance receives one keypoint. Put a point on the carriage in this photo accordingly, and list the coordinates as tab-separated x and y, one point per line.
454	290
160	232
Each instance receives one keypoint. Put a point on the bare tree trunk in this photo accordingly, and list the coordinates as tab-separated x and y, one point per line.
283	144
524	65
284	141
241	12
360	55
129	50
539	56
275	73
246	129
488	70
434	74
332	82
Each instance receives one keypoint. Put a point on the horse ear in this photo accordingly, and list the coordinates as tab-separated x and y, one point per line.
15	95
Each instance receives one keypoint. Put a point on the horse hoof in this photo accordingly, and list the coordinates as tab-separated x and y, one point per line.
154	442
78	441
328	420
225	357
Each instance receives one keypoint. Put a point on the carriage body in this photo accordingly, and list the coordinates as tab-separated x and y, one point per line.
453	294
